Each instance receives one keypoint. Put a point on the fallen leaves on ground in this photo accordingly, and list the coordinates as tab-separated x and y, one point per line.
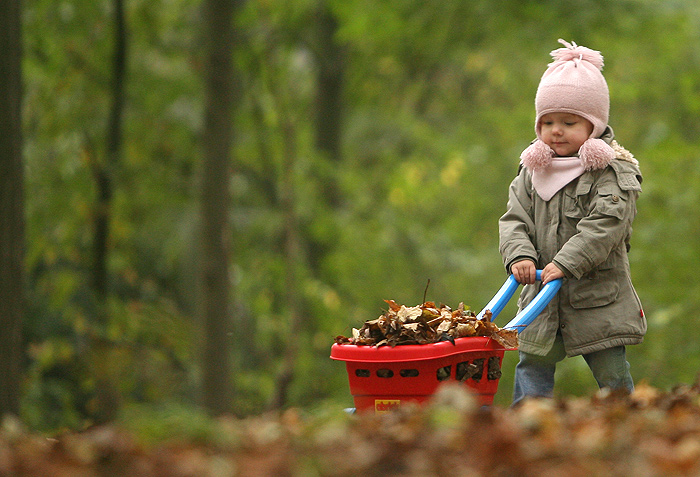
427	323
647	433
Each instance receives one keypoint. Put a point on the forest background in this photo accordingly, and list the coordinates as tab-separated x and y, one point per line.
372	146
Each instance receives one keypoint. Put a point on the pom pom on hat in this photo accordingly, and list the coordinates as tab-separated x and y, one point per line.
573	52
574	83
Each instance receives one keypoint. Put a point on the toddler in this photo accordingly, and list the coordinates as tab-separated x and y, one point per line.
570	211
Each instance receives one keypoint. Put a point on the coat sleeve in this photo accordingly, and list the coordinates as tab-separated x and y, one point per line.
516	228
607	224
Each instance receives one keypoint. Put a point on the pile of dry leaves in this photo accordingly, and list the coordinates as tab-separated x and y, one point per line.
427	323
649	433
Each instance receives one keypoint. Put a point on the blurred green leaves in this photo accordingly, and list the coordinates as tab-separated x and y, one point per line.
438	104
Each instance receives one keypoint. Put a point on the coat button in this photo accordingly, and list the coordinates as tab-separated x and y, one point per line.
615	199
563	325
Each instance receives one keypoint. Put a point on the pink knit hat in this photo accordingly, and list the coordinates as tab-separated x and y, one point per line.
573	83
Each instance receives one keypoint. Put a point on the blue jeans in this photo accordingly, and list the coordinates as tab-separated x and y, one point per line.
534	375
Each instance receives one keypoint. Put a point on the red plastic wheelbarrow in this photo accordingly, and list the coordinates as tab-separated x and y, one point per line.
382	378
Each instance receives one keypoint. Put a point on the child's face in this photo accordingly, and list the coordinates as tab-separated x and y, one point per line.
564	132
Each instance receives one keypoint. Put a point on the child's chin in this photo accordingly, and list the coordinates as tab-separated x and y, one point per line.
563	153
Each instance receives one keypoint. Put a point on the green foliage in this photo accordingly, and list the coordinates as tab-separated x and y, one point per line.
438	104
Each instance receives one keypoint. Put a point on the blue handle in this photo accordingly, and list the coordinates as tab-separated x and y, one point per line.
531	311
501	298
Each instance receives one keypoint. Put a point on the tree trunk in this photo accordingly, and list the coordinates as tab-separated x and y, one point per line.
331	63
329	98
11	207
292	258
108	398
104	171
218	138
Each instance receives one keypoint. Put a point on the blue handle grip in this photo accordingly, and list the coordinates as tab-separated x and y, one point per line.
531	311
501	298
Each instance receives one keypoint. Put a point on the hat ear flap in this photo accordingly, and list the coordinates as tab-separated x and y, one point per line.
596	154
538	155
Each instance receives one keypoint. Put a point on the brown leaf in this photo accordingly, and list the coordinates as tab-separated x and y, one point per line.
506	338
393	306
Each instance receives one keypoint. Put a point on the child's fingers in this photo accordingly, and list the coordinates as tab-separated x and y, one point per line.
551	272
524	272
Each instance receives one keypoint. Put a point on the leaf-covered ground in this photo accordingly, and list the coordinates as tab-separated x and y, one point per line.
649	433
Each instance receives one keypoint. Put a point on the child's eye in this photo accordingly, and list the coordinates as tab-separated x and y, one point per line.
570	123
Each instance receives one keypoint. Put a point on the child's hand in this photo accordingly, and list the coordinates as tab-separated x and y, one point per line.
551	272
524	272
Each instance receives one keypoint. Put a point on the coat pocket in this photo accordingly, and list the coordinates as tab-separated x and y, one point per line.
596	289
576	202
612	201
572	206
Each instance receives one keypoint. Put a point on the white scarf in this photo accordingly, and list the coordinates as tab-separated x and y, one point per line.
550	180
551	173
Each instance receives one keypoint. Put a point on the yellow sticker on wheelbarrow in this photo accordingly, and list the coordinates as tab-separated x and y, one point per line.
386	405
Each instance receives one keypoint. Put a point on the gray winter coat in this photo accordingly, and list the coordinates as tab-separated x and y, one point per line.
585	230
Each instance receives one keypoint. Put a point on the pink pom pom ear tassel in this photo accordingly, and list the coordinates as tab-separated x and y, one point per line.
538	155
596	154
